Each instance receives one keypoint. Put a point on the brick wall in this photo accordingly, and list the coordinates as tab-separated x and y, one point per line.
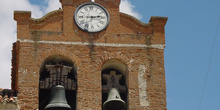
139	46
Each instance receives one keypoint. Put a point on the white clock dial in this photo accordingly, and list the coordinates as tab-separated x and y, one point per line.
91	17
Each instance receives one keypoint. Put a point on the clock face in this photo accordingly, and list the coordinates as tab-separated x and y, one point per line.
91	17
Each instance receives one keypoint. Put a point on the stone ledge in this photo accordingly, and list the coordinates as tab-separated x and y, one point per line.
22	16
155	20
158	18
144	46
22	12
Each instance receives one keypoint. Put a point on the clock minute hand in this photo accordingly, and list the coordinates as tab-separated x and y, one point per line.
100	16
91	16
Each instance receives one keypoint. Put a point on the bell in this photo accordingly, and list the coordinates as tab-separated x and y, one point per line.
58	99
114	101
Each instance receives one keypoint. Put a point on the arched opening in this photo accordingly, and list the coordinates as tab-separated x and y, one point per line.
57	70
114	73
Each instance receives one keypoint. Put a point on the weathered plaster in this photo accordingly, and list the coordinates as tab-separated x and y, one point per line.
142	84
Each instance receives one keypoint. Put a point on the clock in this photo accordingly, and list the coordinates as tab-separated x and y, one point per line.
91	17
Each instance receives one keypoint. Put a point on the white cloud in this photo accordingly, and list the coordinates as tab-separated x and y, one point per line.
128	8
8	28
52	5
8	34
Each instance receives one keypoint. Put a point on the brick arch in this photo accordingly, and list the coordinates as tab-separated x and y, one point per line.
58	57
46	54
116	64
107	56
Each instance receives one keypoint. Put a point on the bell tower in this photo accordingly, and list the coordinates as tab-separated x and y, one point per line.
89	56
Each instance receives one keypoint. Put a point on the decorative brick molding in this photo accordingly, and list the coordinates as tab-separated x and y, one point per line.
144	46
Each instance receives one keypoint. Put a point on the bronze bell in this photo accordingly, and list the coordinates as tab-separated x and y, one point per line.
57	99
114	101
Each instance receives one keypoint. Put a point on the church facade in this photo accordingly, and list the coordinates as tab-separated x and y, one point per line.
90	50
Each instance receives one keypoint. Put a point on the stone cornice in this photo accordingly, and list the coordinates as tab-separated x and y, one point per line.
158	18
22	12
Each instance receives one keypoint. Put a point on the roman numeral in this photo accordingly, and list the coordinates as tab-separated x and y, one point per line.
86	26
81	22
92	27
101	22
86	9
91	7
80	16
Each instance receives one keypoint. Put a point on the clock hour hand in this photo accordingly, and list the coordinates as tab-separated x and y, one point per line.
90	16
95	16
102	17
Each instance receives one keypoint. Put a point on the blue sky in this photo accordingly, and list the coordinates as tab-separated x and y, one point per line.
190	33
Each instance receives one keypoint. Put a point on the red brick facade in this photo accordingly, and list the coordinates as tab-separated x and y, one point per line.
127	45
